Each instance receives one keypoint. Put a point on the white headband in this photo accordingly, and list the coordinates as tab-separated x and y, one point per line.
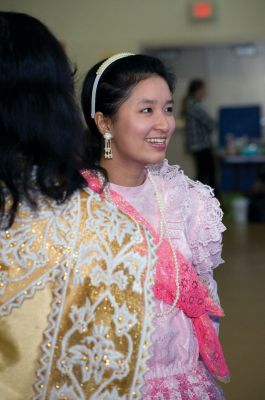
99	72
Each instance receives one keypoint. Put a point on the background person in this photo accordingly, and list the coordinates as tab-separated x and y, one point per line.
199	128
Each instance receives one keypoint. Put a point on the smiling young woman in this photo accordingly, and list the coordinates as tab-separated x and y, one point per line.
128	106
140	131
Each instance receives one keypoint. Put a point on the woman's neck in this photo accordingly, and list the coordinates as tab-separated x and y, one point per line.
129	176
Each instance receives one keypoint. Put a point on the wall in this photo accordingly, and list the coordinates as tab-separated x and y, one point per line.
94	29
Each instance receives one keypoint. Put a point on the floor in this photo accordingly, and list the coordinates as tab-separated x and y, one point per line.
241	283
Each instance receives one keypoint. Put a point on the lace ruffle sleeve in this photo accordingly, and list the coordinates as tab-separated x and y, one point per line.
205	228
194	219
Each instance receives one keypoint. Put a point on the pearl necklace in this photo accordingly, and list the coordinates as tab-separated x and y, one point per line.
164	232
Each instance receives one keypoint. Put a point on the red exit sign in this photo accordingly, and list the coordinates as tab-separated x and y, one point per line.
202	10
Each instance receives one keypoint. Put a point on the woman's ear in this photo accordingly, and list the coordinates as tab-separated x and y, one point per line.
103	123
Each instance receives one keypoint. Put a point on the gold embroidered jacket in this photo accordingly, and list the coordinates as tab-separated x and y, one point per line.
76	302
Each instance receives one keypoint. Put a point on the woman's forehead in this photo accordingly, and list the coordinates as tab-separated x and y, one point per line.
150	90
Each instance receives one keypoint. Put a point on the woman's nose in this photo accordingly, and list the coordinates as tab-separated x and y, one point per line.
162	121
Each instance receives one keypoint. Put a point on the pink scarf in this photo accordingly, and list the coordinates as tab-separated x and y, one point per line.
194	299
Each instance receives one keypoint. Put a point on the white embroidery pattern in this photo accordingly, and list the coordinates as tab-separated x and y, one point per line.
96	354
29	291
51	332
25	250
50	336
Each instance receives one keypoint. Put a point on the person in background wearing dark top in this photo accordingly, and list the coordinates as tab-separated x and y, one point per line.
199	129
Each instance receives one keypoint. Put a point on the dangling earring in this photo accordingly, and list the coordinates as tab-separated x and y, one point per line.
107	149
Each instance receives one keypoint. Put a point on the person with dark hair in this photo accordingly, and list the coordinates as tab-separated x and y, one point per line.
128	107
199	128
68	258
41	132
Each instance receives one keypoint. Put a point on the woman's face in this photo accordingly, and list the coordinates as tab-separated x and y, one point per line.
201	93
143	125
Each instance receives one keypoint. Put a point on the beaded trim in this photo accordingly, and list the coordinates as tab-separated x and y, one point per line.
99	72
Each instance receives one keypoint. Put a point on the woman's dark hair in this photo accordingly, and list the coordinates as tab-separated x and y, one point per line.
194	86
114	87
42	139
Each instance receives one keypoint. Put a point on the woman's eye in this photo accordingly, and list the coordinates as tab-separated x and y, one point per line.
169	110
146	110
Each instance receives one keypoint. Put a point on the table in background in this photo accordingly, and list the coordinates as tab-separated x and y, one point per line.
238	173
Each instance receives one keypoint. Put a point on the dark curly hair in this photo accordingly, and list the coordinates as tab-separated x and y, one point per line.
42	139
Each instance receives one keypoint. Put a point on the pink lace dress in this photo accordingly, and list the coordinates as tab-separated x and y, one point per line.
194	220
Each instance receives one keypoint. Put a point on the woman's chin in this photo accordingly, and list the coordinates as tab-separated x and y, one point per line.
157	159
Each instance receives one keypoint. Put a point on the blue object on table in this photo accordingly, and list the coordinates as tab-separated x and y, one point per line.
240	121
250	150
